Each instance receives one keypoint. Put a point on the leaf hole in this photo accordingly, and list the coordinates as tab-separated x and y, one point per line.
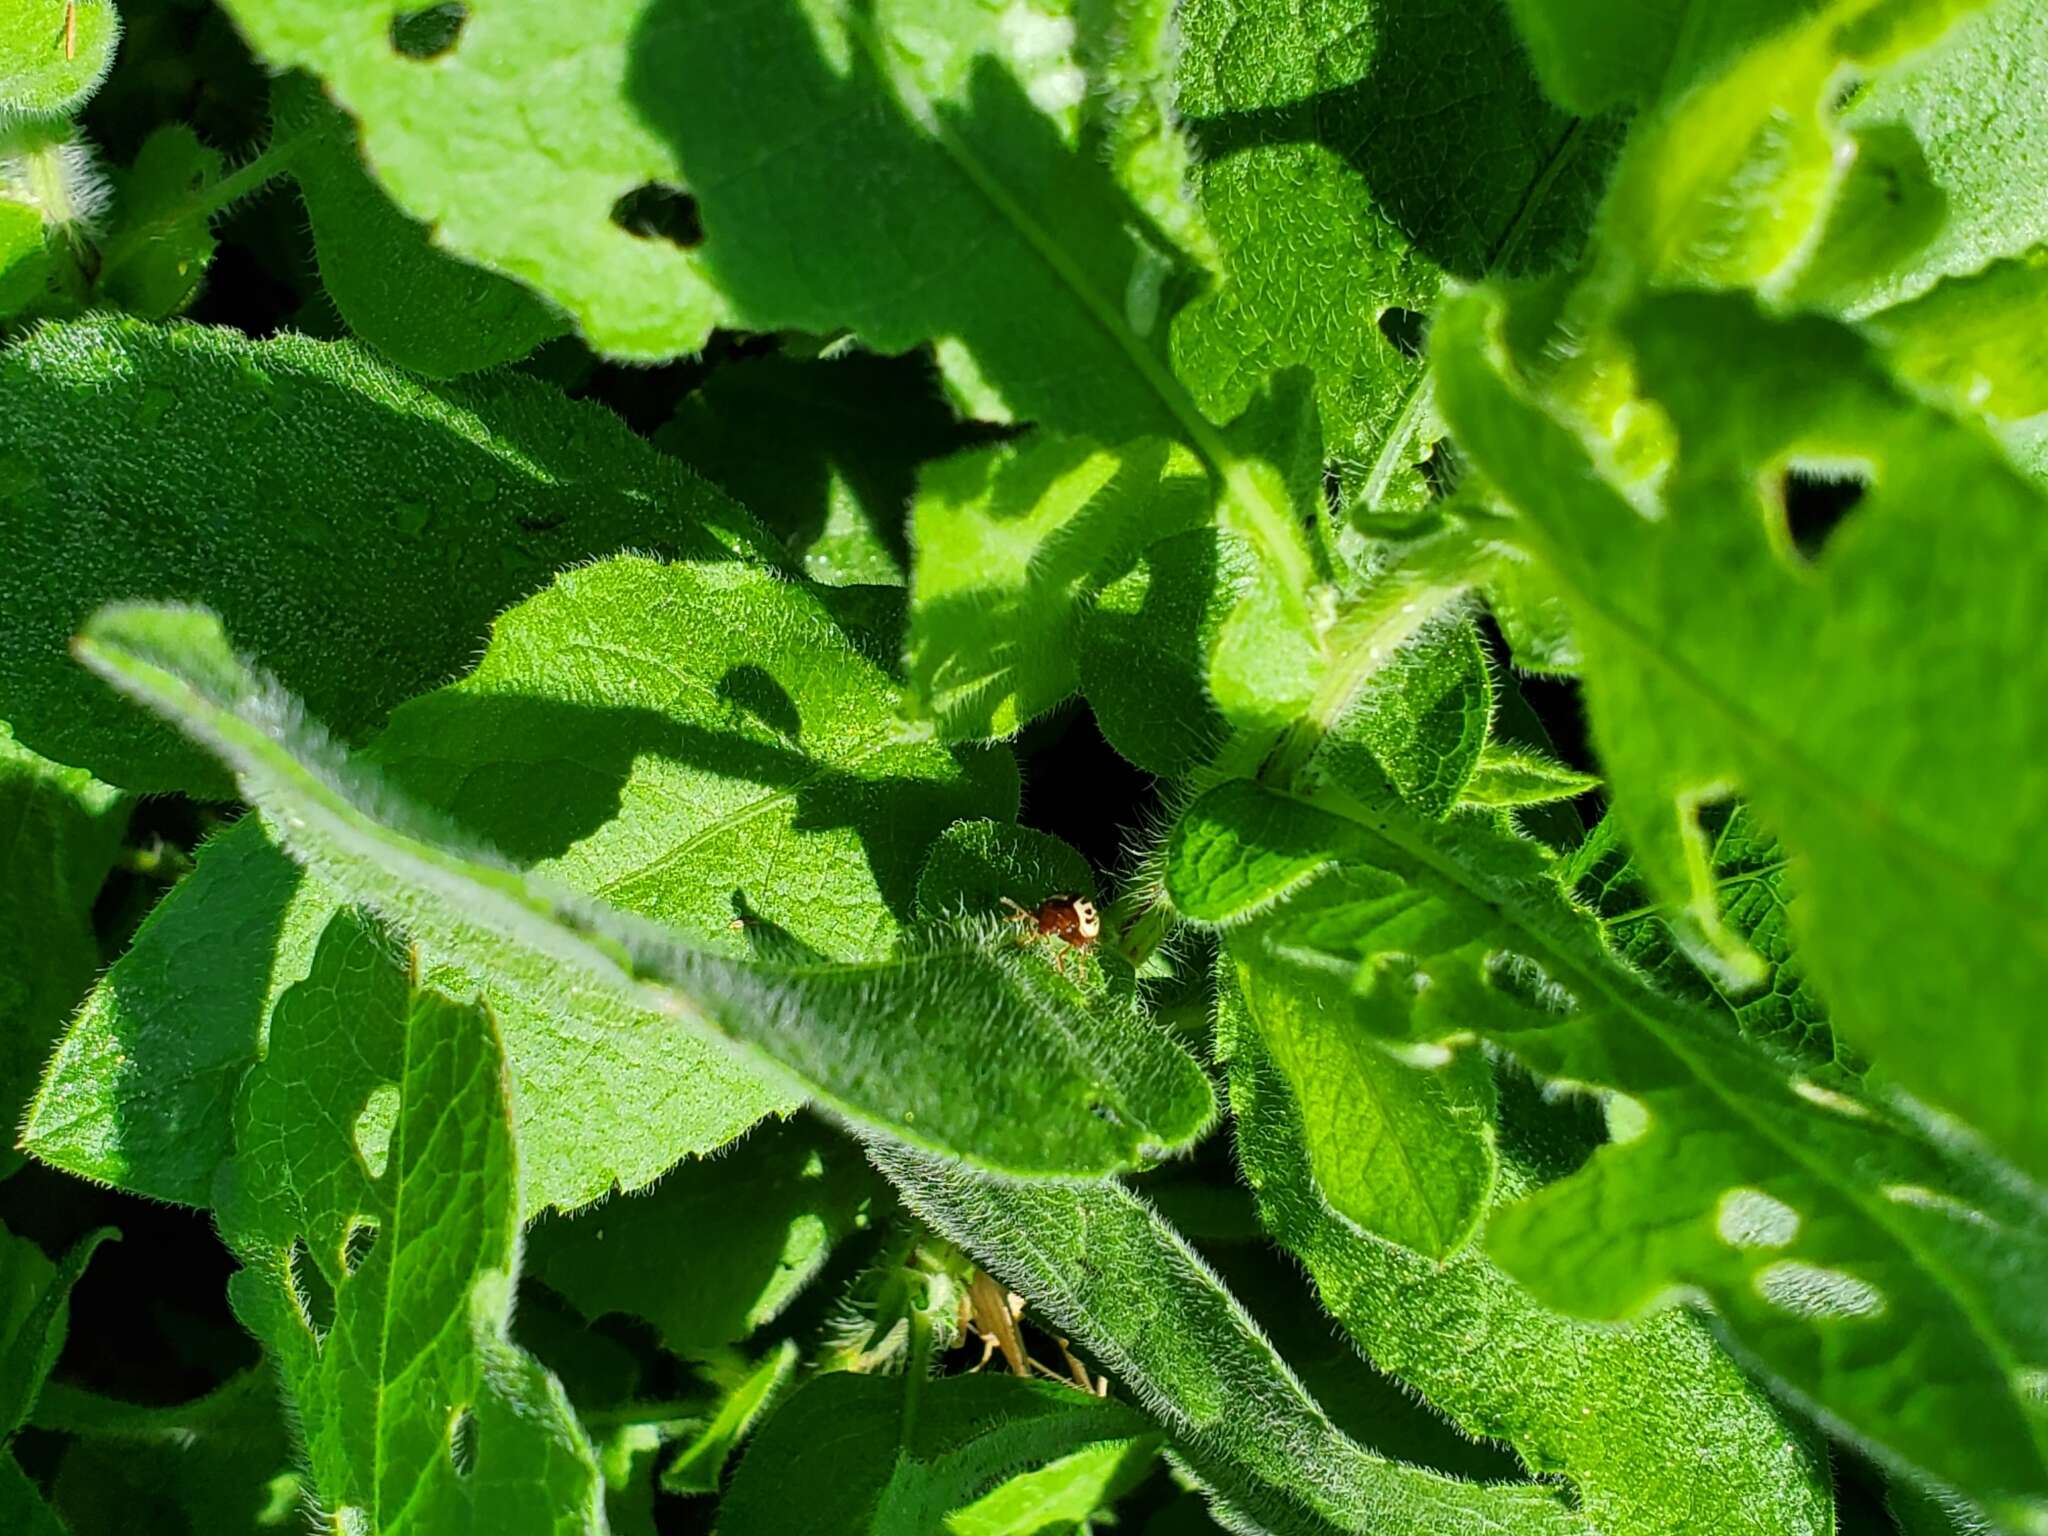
658	211
373	1127
1811	1290
1817	499
311	1293
362	1237
462	1441
1405	331
430	32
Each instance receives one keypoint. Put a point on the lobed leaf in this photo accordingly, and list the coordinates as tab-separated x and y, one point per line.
1480	1348
53	55
417	1412
1720	654
1101	1265
1102	1085
1879	1273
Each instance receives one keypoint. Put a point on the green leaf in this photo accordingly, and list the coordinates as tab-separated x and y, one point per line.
357	529
758	780
522	167
417	1412
1103	1267
223	1462
1402	1151
1595	54
1144	642
881	1455
158	253
1978	105
1011	545
1719	654
1732	178
836	490
1423	714
1481	1349
963	1047
62	829
25	256
700	1465
427	311
54	54
35	1311
778	1203
1506	778
1322	135
1875	1271
1754	881
1057	1498
1973	338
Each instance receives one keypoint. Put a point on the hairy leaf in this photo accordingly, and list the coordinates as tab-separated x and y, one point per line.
1754	881
718	1247
1011	545
53	55
631	187
1402	1151
1507	778
357	529
1102	1087
1878	1273
1323	137
1720	653
61	828
1973	338
907	1451
1060	1496
417	1412
1481	1349
1101	1264
698	742
700	1465
1978	106
425	310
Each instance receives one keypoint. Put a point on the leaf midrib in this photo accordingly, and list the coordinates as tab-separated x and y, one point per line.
1644	1006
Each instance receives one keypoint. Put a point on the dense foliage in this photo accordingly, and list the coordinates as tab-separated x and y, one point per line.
1003	766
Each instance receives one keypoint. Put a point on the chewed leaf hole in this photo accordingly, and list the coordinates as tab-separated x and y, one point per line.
657	211
1405	330
373	1127
362	1237
1749	1218
1808	1290
1816	500
430	32
310	1290
462	1442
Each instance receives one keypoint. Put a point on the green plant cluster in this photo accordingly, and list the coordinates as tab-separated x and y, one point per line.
1004	767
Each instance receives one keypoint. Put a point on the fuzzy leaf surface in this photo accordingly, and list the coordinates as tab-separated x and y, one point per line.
1888	1279
1322	134
1103	1266
417	1412
356	528
1101	1085
61	828
1719	654
1483	1350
